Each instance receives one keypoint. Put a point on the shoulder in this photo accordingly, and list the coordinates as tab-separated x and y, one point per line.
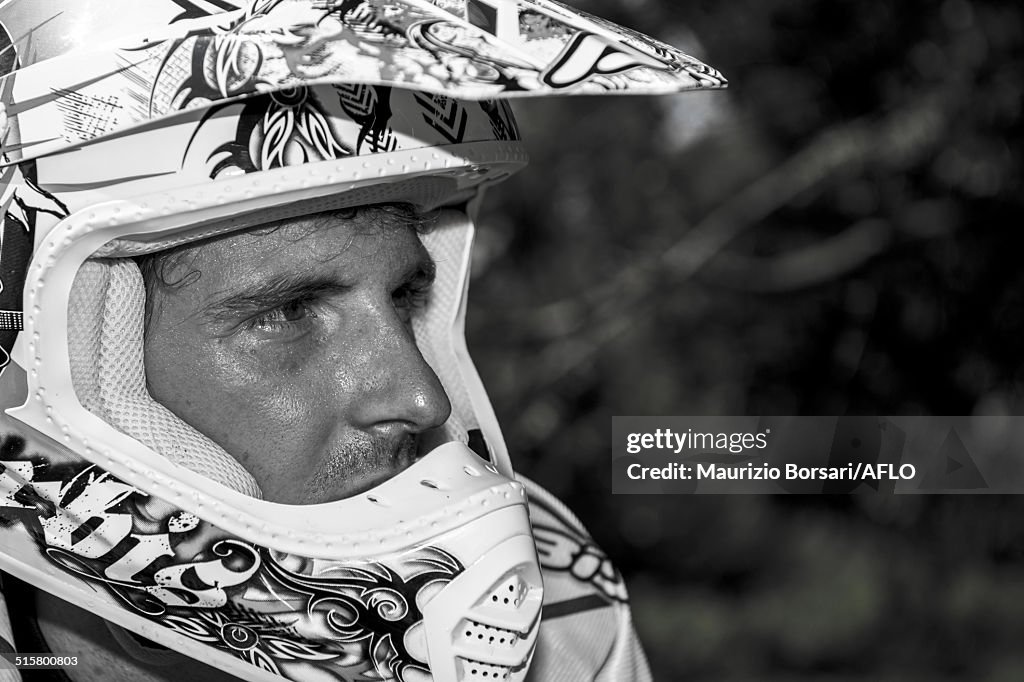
587	630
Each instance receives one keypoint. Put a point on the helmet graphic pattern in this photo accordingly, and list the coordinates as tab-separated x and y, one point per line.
469	49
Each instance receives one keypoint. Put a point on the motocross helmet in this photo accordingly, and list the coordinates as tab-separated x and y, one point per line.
130	128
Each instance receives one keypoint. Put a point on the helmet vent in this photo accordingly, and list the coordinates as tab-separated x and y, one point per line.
494	639
478	634
476	670
508	594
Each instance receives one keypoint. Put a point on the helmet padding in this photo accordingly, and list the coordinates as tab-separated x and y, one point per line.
106	315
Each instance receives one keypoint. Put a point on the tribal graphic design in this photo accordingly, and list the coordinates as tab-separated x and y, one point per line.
503	124
306	125
445	115
285	128
466	49
22	199
278	612
562	550
370	107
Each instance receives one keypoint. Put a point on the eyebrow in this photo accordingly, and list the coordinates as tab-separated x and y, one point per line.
288	287
271	293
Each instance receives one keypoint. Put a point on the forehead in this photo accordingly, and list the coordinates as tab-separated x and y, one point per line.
368	238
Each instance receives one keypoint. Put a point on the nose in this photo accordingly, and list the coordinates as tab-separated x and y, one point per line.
397	389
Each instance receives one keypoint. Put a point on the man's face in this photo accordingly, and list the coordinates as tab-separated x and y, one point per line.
290	346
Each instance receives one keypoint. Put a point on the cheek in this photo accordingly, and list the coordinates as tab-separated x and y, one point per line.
268	409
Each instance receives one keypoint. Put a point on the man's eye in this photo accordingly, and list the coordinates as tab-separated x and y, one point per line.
283	316
410	297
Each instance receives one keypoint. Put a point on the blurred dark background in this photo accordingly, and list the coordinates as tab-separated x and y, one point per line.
838	233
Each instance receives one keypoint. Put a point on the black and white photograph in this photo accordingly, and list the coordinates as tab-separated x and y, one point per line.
461	340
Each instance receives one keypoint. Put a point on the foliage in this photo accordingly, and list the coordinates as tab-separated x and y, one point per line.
838	233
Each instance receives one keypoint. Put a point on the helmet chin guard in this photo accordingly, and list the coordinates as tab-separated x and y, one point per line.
128	129
453	592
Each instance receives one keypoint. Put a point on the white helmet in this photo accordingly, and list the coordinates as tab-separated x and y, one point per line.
130	128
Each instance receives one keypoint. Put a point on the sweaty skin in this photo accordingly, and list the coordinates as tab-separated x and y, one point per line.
290	346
